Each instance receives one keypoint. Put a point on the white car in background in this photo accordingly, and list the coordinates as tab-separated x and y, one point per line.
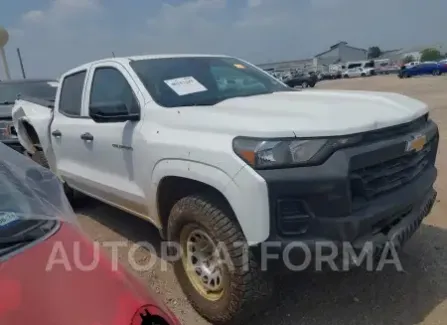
357	72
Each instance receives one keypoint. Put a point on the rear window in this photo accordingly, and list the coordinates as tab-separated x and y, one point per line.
39	89
71	94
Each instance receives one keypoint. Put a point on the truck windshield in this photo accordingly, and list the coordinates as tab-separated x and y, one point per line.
37	89
190	81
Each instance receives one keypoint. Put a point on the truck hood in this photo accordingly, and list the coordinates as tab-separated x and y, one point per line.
5	111
306	113
69	292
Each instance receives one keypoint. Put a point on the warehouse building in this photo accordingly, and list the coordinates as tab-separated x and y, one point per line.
288	65
340	52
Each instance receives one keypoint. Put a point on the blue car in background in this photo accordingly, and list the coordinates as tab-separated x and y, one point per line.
423	68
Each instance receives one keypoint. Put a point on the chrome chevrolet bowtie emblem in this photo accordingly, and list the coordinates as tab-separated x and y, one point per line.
416	143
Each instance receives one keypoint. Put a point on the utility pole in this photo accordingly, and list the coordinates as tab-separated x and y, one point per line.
21	63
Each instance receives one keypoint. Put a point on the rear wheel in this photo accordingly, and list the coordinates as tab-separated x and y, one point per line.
39	157
304	84
223	284
436	72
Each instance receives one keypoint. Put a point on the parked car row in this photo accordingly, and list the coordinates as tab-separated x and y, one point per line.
254	164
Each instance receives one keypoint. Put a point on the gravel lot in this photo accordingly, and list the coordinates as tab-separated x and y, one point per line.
416	296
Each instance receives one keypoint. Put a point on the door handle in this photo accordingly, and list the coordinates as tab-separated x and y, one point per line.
87	137
56	133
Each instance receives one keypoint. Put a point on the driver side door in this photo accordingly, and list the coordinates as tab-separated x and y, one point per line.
111	146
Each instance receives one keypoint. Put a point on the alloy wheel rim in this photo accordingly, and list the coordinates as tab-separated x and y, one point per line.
202	263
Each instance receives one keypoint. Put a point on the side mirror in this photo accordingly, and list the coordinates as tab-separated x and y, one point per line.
110	112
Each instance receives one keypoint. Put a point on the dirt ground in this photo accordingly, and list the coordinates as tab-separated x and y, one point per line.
416	296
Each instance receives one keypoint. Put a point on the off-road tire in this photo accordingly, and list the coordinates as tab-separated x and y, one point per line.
39	157
247	289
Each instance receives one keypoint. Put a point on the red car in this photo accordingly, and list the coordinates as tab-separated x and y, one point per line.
43	254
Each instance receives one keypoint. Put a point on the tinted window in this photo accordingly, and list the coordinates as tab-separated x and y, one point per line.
39	89
71	94
109	85
187	81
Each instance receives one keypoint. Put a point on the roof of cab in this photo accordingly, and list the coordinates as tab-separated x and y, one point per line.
23	81
127	59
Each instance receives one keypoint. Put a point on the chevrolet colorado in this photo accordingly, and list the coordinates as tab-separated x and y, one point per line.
208	162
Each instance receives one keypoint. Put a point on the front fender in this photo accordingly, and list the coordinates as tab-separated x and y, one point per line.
246	206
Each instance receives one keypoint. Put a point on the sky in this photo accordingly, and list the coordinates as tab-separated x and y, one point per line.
57	35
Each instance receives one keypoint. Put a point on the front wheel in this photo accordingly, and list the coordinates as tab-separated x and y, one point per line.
219	276
304	84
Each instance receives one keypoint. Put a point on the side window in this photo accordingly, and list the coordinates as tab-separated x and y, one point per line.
109	85
71	94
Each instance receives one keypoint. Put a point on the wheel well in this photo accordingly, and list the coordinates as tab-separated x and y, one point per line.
32	134
173	188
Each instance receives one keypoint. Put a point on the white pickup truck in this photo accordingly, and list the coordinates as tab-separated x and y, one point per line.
209	162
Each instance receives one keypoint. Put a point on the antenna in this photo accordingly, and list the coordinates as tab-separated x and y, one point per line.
21	63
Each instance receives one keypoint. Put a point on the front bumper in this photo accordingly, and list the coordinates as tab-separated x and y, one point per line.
317	204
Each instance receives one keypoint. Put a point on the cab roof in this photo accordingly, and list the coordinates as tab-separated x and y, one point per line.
127	59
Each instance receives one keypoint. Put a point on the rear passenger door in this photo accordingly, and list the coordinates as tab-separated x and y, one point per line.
69	118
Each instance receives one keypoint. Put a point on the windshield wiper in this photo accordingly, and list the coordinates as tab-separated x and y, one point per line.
242	96
18	239
285	90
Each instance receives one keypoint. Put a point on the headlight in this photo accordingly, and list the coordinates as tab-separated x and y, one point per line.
285	153
7	130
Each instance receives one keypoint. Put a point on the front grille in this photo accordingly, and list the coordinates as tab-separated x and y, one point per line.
372	181
394	131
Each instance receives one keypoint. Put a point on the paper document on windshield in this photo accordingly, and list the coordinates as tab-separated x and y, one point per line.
185	86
